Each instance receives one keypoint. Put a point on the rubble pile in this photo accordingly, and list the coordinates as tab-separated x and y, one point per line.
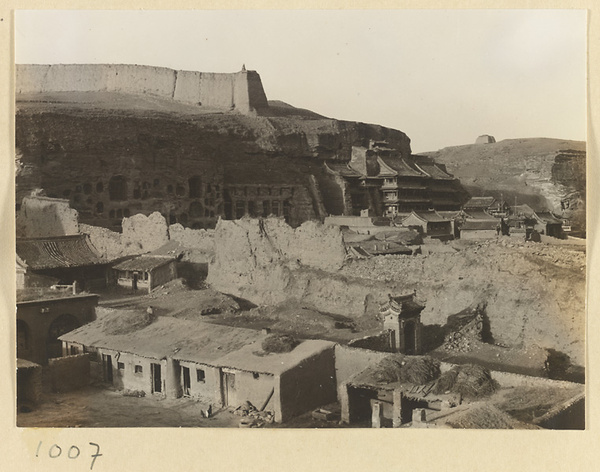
464	330
253	418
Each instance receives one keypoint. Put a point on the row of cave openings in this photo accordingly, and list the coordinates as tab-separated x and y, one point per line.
118	189
238	202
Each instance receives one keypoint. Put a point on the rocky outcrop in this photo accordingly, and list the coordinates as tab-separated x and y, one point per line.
43	217
147	232
196	240
261	259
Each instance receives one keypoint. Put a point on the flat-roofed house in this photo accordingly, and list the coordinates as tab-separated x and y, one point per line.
220	365
146	272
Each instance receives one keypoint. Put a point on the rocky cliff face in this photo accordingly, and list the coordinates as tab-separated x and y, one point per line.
115	155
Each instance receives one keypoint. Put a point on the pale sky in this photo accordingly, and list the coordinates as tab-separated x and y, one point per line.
443	77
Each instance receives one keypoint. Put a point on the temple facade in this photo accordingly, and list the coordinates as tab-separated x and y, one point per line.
379	179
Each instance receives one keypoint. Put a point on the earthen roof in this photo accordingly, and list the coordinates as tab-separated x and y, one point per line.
25	364
184	340
253	359
197	341
144	263
58	252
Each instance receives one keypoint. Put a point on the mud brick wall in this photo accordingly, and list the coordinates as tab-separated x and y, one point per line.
378	342
69	373
242	90
308	385
350	361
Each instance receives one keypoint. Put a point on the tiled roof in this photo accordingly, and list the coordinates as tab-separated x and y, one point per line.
342	169
435	172
404	305
430	216
57	252
470	225
480	215
480	202
548	217
402	168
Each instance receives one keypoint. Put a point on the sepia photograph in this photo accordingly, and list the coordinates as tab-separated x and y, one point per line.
300	218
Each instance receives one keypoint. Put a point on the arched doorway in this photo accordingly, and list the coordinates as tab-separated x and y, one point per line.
61	325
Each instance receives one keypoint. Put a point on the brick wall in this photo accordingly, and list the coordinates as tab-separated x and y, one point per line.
69	373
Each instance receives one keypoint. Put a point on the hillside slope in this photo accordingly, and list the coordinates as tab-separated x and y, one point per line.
542	172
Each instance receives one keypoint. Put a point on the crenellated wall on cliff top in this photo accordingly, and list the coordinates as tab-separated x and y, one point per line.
241	91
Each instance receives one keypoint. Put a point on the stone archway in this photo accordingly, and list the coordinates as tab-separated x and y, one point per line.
61	325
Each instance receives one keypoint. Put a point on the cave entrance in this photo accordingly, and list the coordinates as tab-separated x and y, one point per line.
117	188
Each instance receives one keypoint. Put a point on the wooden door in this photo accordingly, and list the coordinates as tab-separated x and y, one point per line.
108	368
186	380
229	392
156	378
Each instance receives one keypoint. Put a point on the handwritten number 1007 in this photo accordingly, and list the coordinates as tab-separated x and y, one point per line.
73	452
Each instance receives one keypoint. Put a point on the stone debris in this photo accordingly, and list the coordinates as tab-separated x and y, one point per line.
253	418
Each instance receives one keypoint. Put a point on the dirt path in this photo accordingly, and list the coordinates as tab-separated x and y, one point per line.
96	407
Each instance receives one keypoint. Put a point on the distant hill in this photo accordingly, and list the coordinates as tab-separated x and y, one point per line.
542	172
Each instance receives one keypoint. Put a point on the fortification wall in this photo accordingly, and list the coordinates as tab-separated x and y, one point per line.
242	91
